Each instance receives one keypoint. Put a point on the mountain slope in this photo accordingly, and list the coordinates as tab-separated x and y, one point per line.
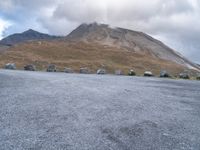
134	41
3	48
26	36
96	46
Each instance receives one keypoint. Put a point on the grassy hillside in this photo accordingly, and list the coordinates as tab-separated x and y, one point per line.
80	54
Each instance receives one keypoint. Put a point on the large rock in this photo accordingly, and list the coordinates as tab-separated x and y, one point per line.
148	74
164	74
101	71
131	72
84	70
198	77
30	67
51	68
118	72
68	70
184	75
11	66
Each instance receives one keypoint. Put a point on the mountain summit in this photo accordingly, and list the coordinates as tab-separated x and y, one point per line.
28	35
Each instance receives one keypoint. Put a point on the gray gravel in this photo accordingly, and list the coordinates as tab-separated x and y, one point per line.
60	111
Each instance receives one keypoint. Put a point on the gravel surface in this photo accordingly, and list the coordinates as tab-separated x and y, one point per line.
49	111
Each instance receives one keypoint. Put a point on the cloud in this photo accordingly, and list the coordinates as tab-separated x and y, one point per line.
176	22
3	26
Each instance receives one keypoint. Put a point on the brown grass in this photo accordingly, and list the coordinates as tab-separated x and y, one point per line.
79	54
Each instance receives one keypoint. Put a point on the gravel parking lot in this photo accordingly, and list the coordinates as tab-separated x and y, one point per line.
49	111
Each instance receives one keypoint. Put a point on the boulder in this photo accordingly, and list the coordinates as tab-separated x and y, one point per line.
198	77
118	72
30	67
51	68
164	74
148	74
84	70
131	73
101	71
11	66
68	70
184	75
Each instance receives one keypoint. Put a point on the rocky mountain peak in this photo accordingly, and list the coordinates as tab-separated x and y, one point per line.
30	31
126	39
25	36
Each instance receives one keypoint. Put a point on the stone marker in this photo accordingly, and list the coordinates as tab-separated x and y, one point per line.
184	75
148	74
68	70
164	74
30	67
131	72
51	68
118	72
11	66
198	77
101	71
84	70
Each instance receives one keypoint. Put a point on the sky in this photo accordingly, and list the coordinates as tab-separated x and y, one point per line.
175	22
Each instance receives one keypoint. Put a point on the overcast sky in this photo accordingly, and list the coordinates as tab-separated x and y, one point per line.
175	22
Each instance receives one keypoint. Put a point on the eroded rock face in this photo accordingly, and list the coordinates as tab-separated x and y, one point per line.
11	66
164	74
68	70
131	72
184	75
148	74
30	67
51	68
84	70
101	71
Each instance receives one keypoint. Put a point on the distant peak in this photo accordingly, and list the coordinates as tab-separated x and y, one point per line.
28	35
30	31
89	24
94	24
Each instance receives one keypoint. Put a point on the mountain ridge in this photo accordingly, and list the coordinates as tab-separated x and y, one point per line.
25	36
99	45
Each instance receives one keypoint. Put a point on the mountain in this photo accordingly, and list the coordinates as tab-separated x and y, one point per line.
132	41
28	35
100	46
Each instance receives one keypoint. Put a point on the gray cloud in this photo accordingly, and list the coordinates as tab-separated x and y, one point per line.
176	22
